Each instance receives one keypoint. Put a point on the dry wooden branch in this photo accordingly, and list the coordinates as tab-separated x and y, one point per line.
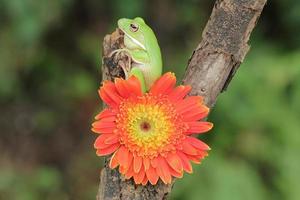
210	69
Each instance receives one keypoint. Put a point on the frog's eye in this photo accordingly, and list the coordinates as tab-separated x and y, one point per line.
134	27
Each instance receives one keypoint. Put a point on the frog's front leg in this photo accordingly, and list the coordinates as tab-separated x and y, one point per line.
138	59
125	68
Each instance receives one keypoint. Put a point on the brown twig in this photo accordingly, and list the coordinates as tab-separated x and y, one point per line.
209	71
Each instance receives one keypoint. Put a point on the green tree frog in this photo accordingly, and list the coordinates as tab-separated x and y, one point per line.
143	50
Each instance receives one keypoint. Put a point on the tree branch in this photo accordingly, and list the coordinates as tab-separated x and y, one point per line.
223	47
209	71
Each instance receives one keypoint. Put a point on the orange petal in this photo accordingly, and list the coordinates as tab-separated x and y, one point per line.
122	87
107	151
185	162
103	131
196	114
174	162
103	127
188	148
202	154
112	139
123	169
152	175
139	177
163	170
109	119
105	113
154	162
130	159
198	127
100	144
195	159
164	84
146	162
137	163
179	92
145	181
134	86
198	144
102	124
175	173
129	172
189	104
123	156
113	163
109	94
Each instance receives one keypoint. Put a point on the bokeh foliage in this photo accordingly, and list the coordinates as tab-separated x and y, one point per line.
49	75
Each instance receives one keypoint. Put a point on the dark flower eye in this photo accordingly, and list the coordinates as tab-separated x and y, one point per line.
134	27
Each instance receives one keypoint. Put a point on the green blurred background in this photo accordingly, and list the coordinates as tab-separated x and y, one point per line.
49	75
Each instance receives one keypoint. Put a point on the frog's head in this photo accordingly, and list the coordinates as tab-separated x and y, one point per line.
136	31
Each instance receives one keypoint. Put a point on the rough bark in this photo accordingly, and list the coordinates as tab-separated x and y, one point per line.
213	63
223	47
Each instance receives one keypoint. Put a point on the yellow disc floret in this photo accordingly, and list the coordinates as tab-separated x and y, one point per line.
149	125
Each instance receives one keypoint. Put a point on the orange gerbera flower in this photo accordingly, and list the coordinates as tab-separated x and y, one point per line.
149	135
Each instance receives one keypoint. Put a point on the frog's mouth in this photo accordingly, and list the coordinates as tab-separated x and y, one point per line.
135	41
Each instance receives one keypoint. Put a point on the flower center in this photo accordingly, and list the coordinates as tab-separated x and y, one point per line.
149	125
145	126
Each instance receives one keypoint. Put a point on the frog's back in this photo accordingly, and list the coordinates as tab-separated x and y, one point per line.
154	69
